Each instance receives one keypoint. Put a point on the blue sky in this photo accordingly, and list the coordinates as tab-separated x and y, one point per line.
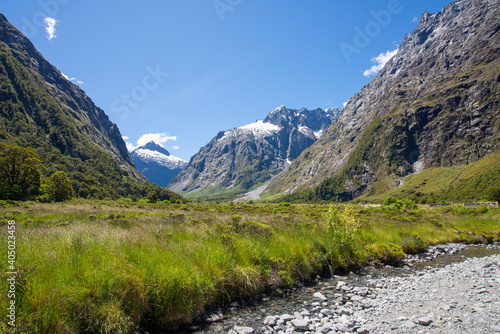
180	71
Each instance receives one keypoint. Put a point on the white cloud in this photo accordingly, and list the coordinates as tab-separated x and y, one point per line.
130	146
50	27
158	138
415	19
345	103
73	80
380	62
175	148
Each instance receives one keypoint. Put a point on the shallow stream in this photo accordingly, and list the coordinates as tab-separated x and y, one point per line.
300	299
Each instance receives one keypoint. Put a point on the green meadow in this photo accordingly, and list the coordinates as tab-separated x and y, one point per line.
116	267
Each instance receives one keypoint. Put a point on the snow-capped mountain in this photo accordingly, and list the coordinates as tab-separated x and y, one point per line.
156	163
243	157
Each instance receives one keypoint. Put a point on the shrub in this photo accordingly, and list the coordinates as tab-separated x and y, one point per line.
492	194
59	187
390	200
152	197
413	244
252	228
342	226
390	253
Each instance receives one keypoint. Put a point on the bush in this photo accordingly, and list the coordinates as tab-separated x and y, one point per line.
152	197
413	244
492	194
342	226
59	187
389	254
406	204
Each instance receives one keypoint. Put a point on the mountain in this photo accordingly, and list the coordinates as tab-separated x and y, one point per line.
241	158
434	104
41	108
156	163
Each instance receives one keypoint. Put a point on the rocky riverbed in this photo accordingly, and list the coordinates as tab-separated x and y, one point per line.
448	289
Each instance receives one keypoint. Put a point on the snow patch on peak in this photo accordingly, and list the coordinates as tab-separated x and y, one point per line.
161	159
259	129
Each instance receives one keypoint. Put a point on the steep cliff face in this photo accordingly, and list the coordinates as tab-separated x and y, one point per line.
157	164
246	156
435	103
89	119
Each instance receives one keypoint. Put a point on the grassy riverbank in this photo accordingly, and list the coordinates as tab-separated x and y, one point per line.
108	267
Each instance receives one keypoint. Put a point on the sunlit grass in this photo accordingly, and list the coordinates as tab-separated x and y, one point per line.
112	268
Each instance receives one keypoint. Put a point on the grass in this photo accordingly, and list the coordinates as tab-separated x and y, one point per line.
112	267
459	183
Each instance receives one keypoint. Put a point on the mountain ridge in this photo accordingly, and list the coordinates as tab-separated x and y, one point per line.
431	105
246	156
92	120
40	108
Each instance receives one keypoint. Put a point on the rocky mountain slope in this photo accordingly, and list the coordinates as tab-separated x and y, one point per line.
40	108
435	103
157	164
243	157
91	120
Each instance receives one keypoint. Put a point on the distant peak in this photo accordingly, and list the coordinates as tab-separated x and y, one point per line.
152	146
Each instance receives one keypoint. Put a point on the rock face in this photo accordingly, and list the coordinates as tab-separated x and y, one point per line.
245	156
435	103
84	114
157	164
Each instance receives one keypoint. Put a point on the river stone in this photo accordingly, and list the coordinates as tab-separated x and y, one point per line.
320	296
424	321
300	324
326	311
344	311
287	317
270	320
409	324
243	330
356	298
363	330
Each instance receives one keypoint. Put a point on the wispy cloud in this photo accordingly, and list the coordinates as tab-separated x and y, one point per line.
73	80
175	147
158	138
380	62
415	19
50	27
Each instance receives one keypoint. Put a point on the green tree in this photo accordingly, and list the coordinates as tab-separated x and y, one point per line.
59	187
152	197
493	194
20	172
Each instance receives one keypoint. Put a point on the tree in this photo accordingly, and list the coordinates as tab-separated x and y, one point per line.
20	172
59	187
152	197
493	194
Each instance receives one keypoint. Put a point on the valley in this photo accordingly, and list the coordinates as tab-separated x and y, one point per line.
322	220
